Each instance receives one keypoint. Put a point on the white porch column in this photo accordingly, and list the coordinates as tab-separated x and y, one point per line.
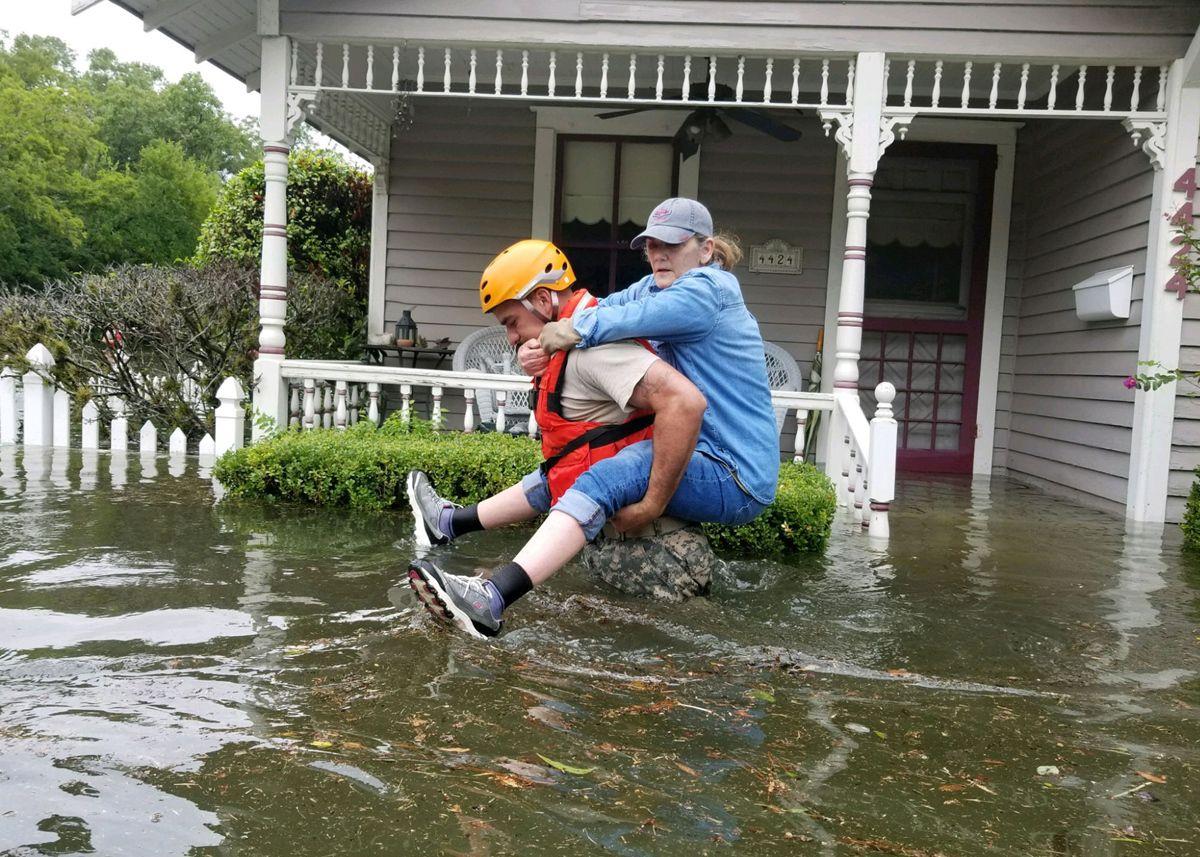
377	283
1173	153
270	391
860	137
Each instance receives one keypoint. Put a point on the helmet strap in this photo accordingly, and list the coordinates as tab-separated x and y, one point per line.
528	304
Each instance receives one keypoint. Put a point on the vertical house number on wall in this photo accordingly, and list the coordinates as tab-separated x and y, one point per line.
1185	184
776	257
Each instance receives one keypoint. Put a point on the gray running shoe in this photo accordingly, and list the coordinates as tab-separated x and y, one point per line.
427	509
454	600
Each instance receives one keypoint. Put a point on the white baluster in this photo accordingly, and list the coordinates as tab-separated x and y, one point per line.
712	78
370	66
882	488
177	445
796	80
295	66
421	69
62	418
499	72
887	73
524	72
604	76
471	76
501	400
658	84
148	439
1161	103
446	71
856	486
632	89
687	78
532	427
850	69
469	414
90	428
396	68
767	81
345	66
1135	98
341	415
405	402
208	447
1053	95
966	90
908	82
373	407
118	429
8	406
1108	88
310	404
741	74
550	84
354	394
937	82
863	495
801	423
579	74
39	400
824	82
1024	86
294	407
327	410
319	71
435	415
231	416
995	93
1079	89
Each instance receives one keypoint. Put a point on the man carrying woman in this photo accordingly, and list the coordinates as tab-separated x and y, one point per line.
691	309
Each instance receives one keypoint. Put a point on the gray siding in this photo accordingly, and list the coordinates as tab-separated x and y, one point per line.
1083	204
759	188
1148	30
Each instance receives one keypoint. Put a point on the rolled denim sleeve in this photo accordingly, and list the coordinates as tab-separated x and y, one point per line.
684	312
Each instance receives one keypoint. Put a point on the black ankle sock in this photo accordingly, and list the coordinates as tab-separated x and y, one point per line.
511	582
465	520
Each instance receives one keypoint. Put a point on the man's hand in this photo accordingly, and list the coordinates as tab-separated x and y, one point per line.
558	336
533	358
636	516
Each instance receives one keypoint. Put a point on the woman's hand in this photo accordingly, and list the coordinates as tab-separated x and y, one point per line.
533	358
636	516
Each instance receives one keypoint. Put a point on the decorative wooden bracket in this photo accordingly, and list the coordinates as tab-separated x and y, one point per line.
300	103
892	125
845	131
1151	136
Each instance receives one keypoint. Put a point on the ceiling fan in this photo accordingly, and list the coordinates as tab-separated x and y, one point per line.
708	123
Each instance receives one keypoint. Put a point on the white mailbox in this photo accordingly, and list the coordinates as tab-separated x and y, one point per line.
1104	296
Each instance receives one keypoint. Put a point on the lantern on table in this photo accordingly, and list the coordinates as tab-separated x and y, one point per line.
406	330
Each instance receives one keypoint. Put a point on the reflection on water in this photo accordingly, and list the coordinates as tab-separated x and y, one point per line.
183	678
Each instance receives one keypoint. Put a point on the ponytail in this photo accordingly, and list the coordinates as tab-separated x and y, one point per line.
727	252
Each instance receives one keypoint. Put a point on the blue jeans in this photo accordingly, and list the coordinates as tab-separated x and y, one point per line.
707	492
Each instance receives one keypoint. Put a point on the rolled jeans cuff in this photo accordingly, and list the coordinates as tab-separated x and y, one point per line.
586	511
537	491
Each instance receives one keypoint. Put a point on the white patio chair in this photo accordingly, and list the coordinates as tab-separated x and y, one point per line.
487	350
783	373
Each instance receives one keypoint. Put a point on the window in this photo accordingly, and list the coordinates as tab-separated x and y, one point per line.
606	186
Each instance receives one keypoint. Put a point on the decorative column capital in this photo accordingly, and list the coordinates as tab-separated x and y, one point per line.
891	125
1151	136
845	131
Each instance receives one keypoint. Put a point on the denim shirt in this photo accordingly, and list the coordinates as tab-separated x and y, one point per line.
700	325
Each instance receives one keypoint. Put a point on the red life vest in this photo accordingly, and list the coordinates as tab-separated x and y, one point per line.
570	447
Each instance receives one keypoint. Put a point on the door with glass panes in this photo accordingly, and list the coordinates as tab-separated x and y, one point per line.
605	189
926	277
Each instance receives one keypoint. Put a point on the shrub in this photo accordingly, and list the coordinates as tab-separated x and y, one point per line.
1191	517
364	468
799	520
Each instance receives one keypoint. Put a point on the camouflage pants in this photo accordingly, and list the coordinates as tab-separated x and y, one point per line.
671	561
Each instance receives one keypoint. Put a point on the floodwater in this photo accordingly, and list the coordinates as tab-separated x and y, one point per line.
1012	675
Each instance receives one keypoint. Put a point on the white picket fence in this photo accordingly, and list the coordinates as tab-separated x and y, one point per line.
33	413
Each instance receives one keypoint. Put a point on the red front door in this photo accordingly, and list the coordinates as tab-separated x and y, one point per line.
927	249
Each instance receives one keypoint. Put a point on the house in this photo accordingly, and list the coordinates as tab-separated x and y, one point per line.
960	168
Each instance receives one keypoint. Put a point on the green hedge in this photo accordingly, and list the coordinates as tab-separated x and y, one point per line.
1191	517
364	468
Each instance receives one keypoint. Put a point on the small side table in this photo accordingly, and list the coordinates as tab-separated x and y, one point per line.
376	354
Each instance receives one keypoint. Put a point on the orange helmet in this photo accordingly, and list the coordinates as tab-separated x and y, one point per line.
518	270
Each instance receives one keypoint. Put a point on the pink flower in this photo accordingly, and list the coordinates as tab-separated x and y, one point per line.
1130	382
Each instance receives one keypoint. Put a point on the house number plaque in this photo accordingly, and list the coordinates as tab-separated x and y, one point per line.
776	257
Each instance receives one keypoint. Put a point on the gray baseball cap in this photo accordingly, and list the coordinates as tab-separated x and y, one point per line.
674	221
